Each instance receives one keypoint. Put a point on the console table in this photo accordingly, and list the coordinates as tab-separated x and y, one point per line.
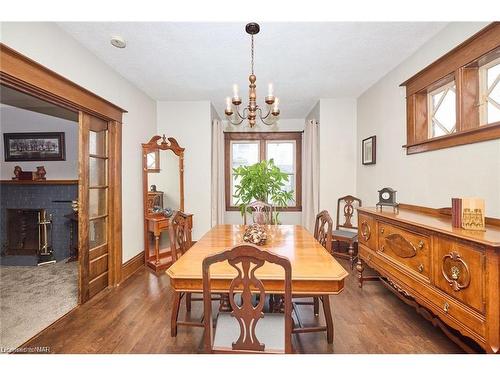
159	259
450	275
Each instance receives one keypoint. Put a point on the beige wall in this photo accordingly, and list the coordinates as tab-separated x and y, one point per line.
430	178
190	124
49	45
337	143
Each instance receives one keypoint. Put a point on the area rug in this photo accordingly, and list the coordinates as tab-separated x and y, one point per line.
31	298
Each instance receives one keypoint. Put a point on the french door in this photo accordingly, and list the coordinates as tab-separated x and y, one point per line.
97	161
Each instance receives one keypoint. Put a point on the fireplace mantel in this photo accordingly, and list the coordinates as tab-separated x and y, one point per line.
42	182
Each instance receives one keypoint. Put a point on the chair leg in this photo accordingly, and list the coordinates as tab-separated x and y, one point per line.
188	301
351	254
360	268
176	301
328	317
316	306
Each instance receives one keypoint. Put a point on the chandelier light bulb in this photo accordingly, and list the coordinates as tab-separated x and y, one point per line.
228	103
235	91
270	90
276	104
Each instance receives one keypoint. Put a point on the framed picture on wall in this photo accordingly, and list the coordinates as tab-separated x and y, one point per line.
369	150
34	146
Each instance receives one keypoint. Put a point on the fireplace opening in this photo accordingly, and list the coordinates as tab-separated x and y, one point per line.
23	235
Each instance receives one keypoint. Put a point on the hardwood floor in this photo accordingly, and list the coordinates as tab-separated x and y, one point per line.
135	318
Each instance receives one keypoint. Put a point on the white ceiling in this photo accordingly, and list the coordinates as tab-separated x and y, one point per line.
305	61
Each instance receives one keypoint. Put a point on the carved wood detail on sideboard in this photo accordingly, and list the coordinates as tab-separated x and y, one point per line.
451	273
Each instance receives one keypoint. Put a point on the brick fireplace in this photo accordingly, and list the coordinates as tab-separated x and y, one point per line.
19	207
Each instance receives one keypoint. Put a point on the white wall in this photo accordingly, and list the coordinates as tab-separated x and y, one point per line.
17	120
49	45
337	142
430	178
190	124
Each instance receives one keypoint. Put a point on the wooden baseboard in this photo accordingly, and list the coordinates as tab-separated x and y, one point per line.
132	265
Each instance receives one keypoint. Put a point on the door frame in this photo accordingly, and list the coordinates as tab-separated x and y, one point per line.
26	75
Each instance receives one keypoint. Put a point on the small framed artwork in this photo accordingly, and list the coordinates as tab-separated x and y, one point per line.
34	146
369	150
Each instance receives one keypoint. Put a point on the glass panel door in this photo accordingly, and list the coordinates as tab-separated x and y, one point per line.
94	196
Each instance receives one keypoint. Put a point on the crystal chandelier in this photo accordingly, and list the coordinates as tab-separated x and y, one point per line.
252	110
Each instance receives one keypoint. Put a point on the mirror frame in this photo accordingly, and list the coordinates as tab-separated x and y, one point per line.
156	144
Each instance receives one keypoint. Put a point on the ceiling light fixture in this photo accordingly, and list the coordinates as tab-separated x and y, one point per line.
118	42
251	111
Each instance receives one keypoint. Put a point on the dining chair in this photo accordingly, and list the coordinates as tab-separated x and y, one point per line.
181	241
323	234
261	213
346	232
247	329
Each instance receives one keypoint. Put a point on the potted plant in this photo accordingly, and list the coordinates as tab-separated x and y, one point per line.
264	182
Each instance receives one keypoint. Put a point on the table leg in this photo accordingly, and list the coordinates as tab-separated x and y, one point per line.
157	248
328	318
224	306
188	301
316	306
176	301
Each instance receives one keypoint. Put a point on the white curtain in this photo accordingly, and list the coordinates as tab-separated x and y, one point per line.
218	202
310	180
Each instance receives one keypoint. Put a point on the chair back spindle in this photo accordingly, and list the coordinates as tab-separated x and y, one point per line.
323	228
261	213
348	205
180	235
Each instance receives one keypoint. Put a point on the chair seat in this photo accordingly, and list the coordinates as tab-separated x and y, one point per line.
270	331
344	234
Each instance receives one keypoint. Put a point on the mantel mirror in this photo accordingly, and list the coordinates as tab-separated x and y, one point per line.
163	176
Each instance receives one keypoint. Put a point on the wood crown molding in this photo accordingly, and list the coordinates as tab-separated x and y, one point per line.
474	47
20	72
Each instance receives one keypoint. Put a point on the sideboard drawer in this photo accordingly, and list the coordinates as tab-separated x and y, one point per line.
459	271
367	231
407	248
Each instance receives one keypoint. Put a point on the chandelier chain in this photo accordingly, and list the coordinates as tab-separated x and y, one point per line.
252	55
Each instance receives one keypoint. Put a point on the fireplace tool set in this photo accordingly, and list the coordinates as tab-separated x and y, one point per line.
46	252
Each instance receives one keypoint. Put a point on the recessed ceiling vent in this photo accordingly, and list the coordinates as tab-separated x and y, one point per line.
118	42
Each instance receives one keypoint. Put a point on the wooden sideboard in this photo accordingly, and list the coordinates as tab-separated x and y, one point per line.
450	275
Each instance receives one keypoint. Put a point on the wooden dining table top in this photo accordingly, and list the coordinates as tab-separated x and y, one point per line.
314	270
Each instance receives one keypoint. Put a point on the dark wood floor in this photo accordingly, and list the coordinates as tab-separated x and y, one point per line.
134	318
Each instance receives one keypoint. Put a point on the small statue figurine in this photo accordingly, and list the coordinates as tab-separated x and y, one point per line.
17	172
40	173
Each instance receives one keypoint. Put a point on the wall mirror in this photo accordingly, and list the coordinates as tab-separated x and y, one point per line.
163	175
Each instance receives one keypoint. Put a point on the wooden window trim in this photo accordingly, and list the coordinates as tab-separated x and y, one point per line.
262	137
460	64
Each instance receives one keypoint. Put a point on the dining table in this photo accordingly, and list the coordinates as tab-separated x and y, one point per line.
315	272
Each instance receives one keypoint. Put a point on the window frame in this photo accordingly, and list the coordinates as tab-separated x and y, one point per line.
463	65
262	138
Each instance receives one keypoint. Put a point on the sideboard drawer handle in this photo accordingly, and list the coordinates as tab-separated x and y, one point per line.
382	248
421	268
421	245
382	230
446	307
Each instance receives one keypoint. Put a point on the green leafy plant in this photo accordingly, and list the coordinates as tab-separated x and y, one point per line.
264	182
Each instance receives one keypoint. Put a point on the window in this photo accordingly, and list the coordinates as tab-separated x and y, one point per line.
490	92
285	148
442	114
456	100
